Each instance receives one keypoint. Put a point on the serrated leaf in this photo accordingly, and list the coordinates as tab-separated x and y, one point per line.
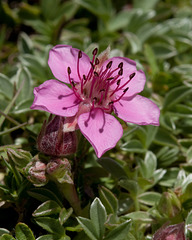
98	217
47	208
88	227
120	232
23	232
51	225
109	200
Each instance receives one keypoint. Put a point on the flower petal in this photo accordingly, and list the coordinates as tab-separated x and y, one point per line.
55	97
102	130
63	56
139	110
136	84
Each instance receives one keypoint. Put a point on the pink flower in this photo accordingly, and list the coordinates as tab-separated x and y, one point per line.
99	87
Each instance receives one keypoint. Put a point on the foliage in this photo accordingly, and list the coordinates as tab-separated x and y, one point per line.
141	184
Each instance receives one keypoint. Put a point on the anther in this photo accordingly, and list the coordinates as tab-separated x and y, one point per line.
102	90
96	61
69	70
120	72
120	65
96	74
125	90
109	65
132	75
60	97
118	82
80	54
111	78
95	51
84	77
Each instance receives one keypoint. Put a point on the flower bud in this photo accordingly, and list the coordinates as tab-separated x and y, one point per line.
53	141
60	170
169	204
172	232
35	172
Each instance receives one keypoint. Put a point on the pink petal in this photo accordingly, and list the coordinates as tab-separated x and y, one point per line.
102	130
138	110
63	56
137	83
55	97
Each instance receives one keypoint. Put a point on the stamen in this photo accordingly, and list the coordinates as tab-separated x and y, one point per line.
120	72
130	78
102	128
96	61
120	65
95	51
79	56
109	65
124	91
132	75
102	94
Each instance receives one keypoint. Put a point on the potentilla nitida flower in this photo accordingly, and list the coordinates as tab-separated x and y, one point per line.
99	87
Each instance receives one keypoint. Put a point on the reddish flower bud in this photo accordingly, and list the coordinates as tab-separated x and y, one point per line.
53	141
172	232
35	172
60	170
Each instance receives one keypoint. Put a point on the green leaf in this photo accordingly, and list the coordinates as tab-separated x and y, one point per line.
25	43
88	227
133	146
101	8
24	77
150	163
139	216
150	56
64	215
98	217
6	87
130	185
47	208
113	167
176	95
145	4
6	237
51	225
43	194
120	232
149	198
109	200
3	231
23	232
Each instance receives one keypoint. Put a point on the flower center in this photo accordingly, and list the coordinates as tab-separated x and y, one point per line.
102	87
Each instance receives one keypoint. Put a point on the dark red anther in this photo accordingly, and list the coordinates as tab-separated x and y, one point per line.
69	70
80	54
109	65
120	65
118	82
120	72
96	74
132	75
95	51
125	90
84	77
96	61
